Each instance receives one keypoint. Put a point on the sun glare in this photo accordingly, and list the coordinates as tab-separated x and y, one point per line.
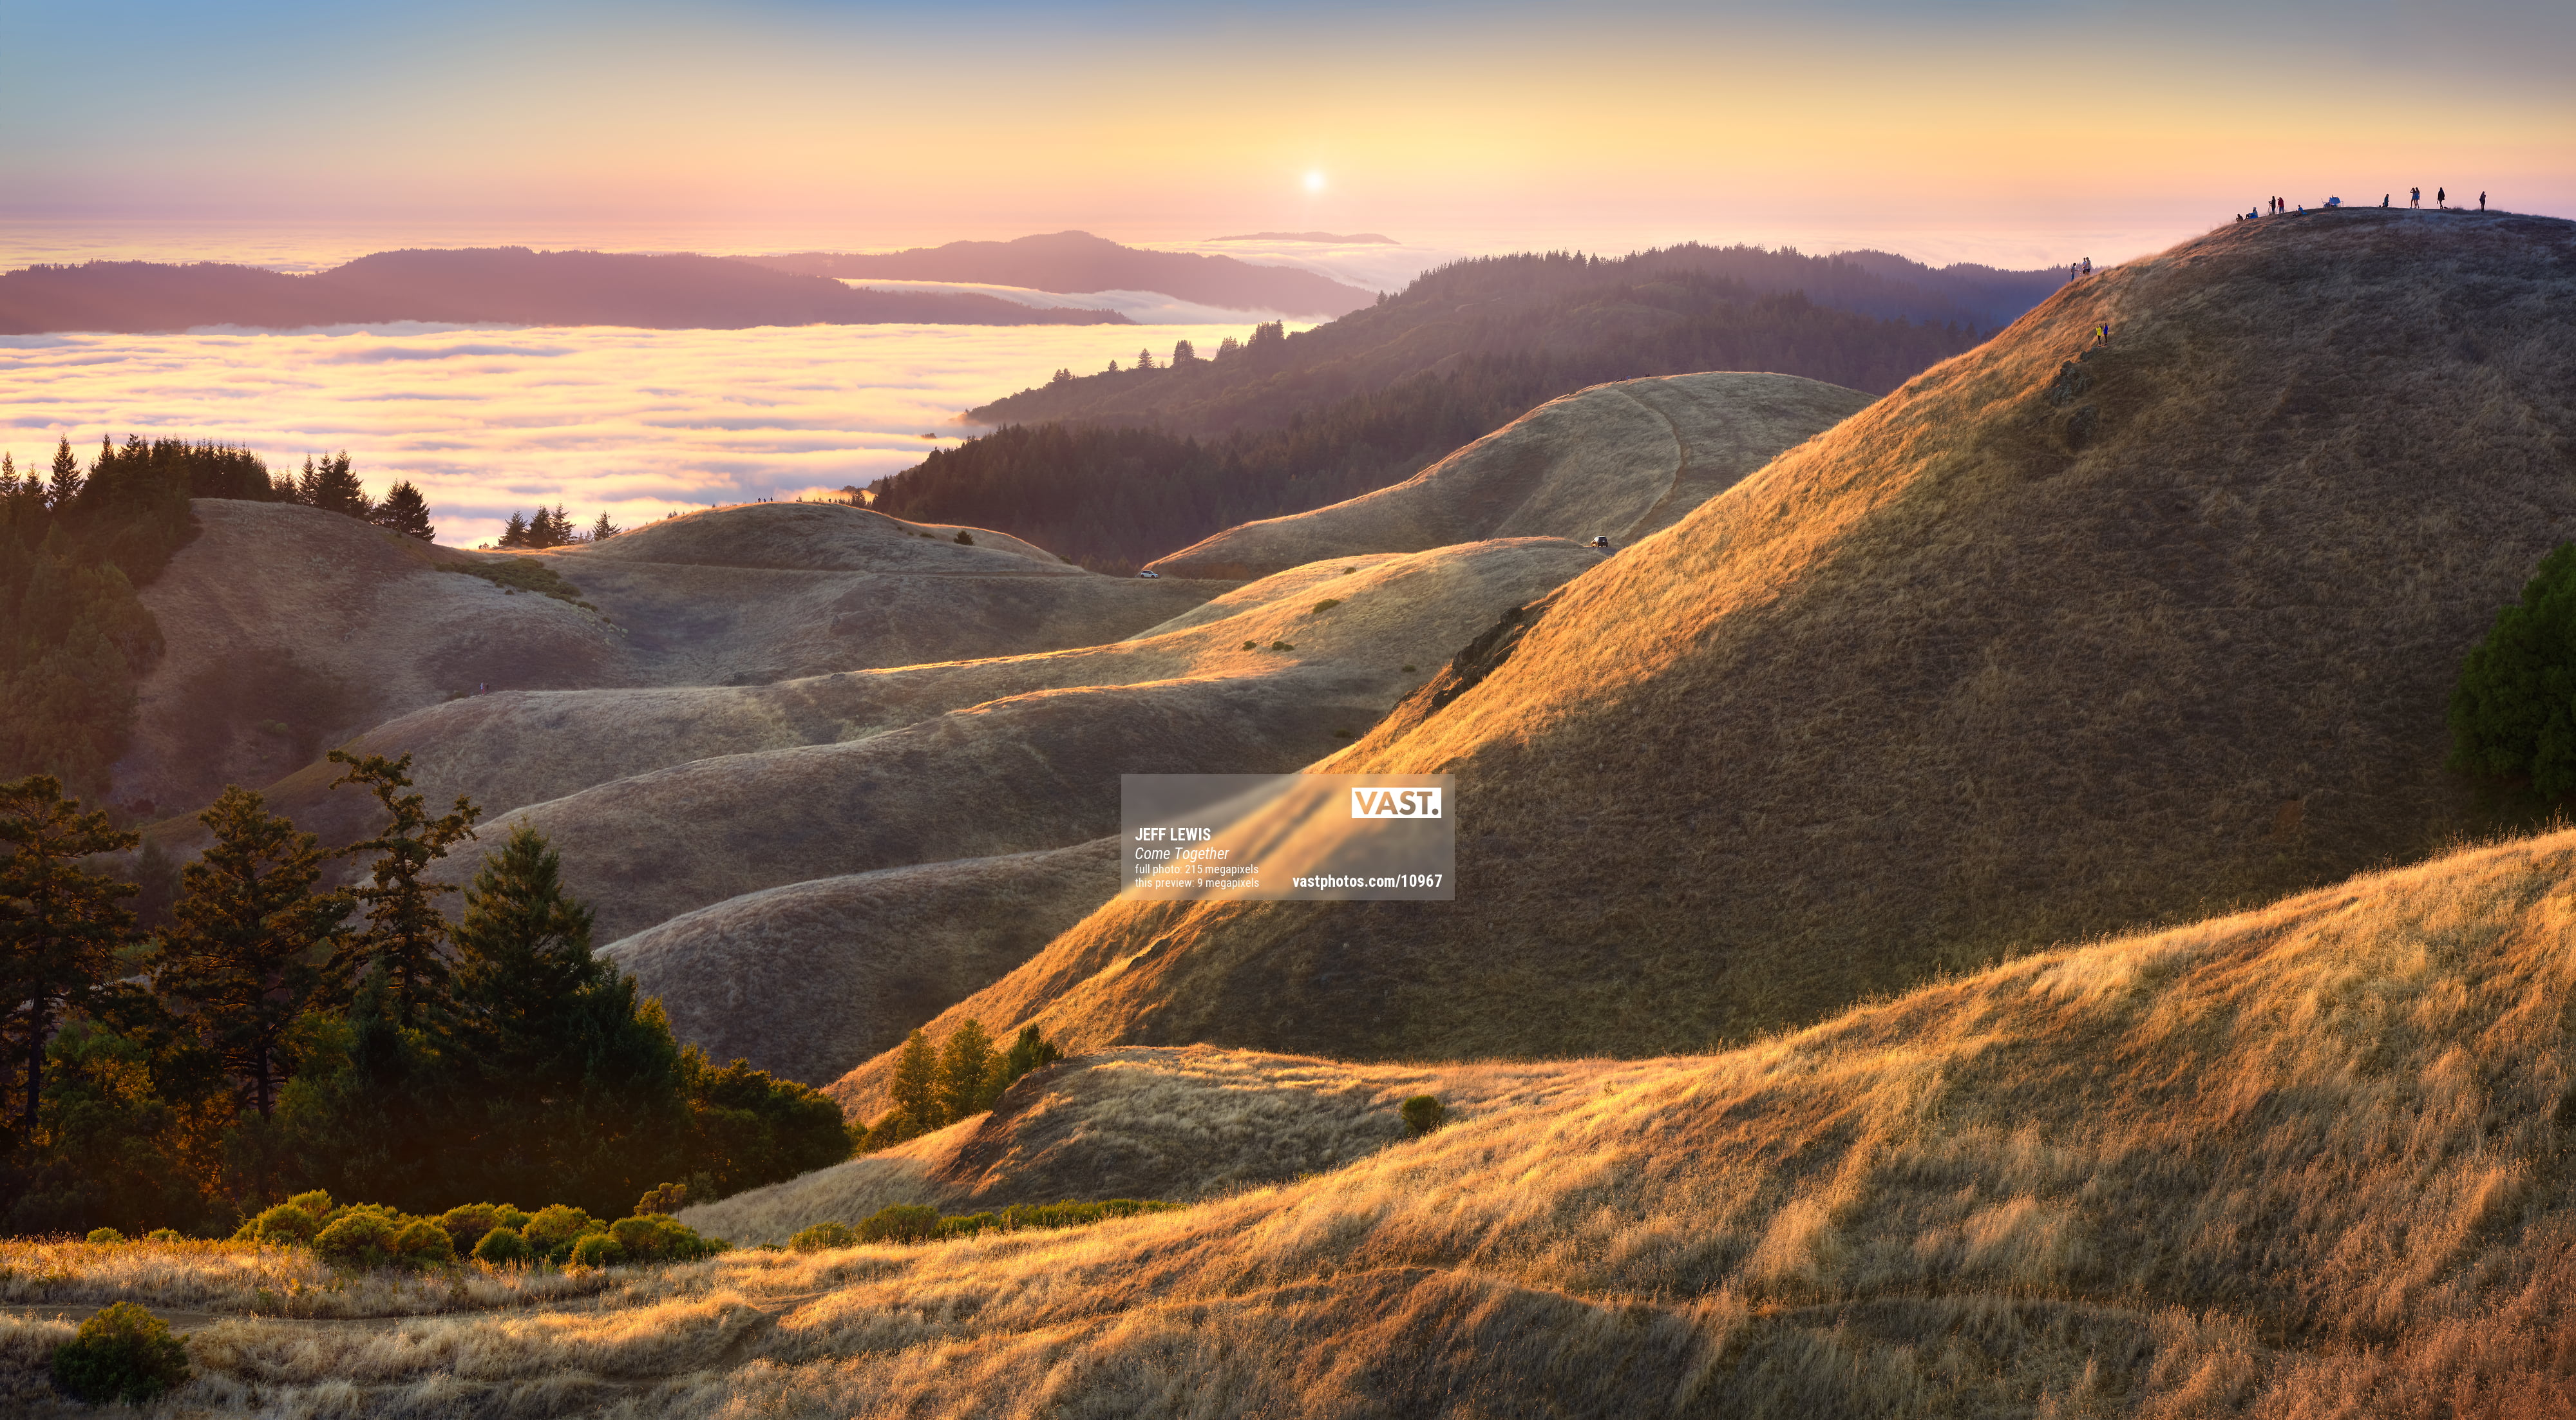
1314	182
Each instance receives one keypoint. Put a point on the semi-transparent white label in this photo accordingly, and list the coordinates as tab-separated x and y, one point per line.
1288	836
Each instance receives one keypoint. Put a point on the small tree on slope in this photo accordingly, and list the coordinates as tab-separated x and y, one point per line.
2513	714
59	925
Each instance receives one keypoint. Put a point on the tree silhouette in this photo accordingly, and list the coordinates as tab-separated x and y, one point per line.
60	925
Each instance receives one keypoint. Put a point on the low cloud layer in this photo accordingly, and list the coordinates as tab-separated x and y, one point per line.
490	420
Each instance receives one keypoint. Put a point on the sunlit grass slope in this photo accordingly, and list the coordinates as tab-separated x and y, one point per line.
2305	1161
2055	640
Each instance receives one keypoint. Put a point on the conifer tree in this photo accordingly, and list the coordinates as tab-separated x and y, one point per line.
964	1063
406	512
331	487
578	1082
308	487
59	924
1144	359
8	476
604	529
915	1088
405	937
516	534
558	527
1183	352
248	940
66	484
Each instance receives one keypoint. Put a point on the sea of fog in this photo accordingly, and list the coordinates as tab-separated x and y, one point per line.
491	419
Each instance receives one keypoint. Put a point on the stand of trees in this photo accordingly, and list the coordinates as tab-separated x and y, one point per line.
276	1037
76	546
1112	498
553	527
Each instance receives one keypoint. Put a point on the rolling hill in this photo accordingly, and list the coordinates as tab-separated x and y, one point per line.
1617	460
2067	636
506	285
1072	263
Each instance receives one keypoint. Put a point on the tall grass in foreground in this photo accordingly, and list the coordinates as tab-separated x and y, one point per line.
2305	1161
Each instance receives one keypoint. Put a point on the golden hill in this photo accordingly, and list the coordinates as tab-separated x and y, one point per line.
289	629
2306	1161
2059	639
1617	460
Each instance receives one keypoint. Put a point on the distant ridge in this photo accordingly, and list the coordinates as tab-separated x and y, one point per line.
1074	263
508	285
1353	240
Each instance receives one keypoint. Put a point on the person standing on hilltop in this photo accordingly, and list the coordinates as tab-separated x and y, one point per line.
2482	202
2414	197
2088	266
2383	199
2441	195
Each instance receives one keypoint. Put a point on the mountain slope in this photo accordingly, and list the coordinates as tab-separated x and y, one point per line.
1072	263
2056	640
1619	460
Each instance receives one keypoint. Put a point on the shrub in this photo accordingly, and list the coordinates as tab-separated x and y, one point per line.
1327	604
2513	713
969	1225
556	1227
1409	665
502	1247
963	538
824	1235
164	1235
596	1250
658	1237
422	1243
316	1202
1252	645
123	1353
901	1222
1424	1113
361	1239
104	1235
468	1223
285	1223
1281	646
668	1198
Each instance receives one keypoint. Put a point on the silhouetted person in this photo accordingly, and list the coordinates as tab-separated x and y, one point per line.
2440	196
2383	199
2482	202
2414	197
2088	266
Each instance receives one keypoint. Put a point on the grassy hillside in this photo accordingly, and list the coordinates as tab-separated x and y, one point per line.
1619	460
2303	1162
2056	640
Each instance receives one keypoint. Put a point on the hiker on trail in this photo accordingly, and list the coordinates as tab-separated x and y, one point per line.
2102	334
2070	273
2414	197
2383	199
2088	266
2482	202
2440	196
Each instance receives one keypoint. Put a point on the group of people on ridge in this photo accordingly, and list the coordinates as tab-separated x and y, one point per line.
2414	198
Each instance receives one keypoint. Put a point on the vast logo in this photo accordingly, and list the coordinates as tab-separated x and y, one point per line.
1395	803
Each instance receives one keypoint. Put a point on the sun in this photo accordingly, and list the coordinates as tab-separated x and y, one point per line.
1314	182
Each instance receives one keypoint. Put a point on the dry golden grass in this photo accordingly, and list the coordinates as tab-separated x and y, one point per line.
2306	1161
248	1277
2026	652
1621	460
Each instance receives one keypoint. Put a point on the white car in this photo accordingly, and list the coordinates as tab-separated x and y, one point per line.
1157	576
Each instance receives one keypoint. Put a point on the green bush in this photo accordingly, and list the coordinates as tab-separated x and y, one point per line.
1424	1113
123	1353
104	1235
822	1236
963	538
597	1250
361	1239
164	1235
421	1243
666	1198
658	1237
468	1223
285	1223
1327	604
2513	714
901	1222
502	1247
556	1227
316	1202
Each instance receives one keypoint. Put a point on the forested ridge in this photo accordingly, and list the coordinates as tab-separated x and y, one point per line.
77	545
1112	494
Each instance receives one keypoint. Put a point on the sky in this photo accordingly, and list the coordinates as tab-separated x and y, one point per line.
1997	129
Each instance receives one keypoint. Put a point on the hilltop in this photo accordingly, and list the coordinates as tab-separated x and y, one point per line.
1618	460
2061	638
1074	263
507	285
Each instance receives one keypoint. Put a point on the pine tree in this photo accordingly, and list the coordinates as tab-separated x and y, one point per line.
8	476
558	527
1144	359
406	512
964	1062
248	939
59	925
604	529
66	484
331	487
405	936
308	488
914	1090
578	1082
1183	352
516	534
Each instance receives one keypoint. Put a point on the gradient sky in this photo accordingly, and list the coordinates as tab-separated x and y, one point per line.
2005	126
